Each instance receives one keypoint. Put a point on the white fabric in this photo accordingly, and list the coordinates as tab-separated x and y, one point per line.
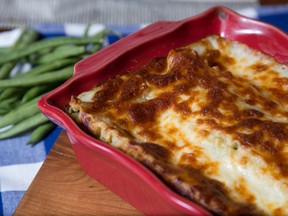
8	38
18	177
74	29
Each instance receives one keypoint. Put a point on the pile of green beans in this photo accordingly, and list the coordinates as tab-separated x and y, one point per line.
51	61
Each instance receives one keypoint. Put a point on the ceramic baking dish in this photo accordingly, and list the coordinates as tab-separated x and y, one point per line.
109	166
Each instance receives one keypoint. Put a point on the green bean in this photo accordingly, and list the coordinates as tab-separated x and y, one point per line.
4	50
94	48
17	108
9	92
86	30
24	39
40	133
51	42
49	67
18	114
45	78
28	103
45	51
35	91
6	69
19	39
24	126
9	103
29	36
61	53
3	111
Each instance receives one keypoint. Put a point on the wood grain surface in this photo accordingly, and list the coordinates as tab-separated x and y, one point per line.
62	188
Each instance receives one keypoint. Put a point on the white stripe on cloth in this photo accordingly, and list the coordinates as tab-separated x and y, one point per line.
72	29
248	12
18	177
8	38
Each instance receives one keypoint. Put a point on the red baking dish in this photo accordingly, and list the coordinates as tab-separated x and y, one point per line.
109	166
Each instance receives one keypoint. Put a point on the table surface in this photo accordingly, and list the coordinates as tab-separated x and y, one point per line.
62	187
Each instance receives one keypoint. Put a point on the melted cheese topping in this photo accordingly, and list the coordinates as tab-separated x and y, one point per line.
216	110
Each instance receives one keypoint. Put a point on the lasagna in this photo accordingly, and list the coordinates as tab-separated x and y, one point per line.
209	119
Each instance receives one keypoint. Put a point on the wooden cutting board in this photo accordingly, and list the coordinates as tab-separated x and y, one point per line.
62	188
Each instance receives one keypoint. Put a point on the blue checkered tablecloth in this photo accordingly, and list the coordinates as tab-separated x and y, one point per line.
19	163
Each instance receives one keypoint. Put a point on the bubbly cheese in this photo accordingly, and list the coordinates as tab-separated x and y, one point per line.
211	119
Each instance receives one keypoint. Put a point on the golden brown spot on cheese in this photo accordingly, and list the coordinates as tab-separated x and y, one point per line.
161	80
190	159
240	188
278	211
147	111
212	56
159	152
109	90
282	82
227	74
247	123
269	105
172	130
170	145
183	108
182	88
250	101
244	160
252	113
132	88
228	60
217	59
281	95
204	133
264	78
150	133
157	64
249	140
259	67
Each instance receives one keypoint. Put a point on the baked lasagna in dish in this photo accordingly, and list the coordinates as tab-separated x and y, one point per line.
209	119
